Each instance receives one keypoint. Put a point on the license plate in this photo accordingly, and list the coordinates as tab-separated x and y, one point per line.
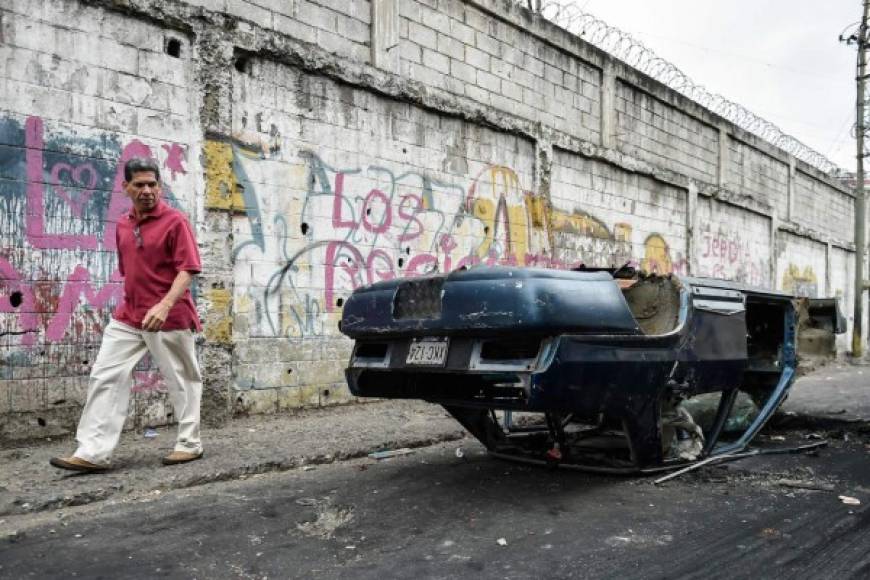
429	352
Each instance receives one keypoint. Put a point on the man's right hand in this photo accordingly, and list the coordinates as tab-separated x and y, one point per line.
156	316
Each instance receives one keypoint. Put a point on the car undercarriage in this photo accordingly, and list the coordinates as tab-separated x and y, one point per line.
603	370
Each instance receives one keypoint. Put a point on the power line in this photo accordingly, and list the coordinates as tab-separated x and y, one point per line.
740	56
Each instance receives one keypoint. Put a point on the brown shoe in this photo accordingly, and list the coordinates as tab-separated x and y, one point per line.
74	463
177	457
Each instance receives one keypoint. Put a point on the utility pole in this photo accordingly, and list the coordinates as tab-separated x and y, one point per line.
860	199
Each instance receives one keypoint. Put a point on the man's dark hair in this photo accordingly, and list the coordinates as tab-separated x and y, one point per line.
138	164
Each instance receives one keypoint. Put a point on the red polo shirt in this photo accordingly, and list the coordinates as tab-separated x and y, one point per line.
150	259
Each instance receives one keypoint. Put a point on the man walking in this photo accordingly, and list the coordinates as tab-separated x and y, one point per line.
158	257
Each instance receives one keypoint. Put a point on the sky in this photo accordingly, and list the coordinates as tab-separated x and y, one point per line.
781	59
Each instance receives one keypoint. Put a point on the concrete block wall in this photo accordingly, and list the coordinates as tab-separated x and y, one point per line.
758	174
816	207
732	244
594	213
468	50
83	89
654	130
320	145
352	188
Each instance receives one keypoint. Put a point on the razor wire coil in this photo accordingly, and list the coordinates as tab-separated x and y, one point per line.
634	53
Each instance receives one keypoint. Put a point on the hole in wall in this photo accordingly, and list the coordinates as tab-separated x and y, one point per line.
325	392
40	421
339	302
304	228
15	299
401	262
404	150
408	250
173	47
243	64
486	229
289	371
84	362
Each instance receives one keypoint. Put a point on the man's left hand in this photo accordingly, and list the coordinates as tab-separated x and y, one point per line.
155	317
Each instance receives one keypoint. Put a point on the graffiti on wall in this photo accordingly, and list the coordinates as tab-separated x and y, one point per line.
729	256
334	229
61	200
800	282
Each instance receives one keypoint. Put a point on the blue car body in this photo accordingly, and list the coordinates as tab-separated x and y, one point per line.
577	346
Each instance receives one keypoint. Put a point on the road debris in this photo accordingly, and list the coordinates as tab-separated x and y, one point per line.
501	542
150	433
459	453
808	485
734	456
848	500
390	453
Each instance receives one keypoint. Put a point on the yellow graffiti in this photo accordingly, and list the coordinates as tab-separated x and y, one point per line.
622	232
657	256
538	212
578	223
219	322
499	200
504	200
793	278
221	186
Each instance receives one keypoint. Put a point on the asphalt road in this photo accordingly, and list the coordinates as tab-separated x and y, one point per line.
432	514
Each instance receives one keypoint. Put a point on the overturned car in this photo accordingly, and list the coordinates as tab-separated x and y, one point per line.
590	369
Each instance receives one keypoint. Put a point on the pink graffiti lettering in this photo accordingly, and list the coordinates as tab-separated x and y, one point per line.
28	319
338	220
348	264
387	273
35	222
148	382
83	177
74	183
424	262
78	285
402	217
175	157
722	247
415	204
367	210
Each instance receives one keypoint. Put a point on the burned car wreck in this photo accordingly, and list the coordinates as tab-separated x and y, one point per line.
589	369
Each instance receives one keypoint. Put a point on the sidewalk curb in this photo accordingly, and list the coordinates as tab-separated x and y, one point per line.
25	506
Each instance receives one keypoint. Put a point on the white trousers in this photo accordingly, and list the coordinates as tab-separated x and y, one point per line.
112	380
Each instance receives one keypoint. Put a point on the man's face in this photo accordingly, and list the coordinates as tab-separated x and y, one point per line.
144	190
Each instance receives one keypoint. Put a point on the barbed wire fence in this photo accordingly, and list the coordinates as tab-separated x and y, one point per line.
634	53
